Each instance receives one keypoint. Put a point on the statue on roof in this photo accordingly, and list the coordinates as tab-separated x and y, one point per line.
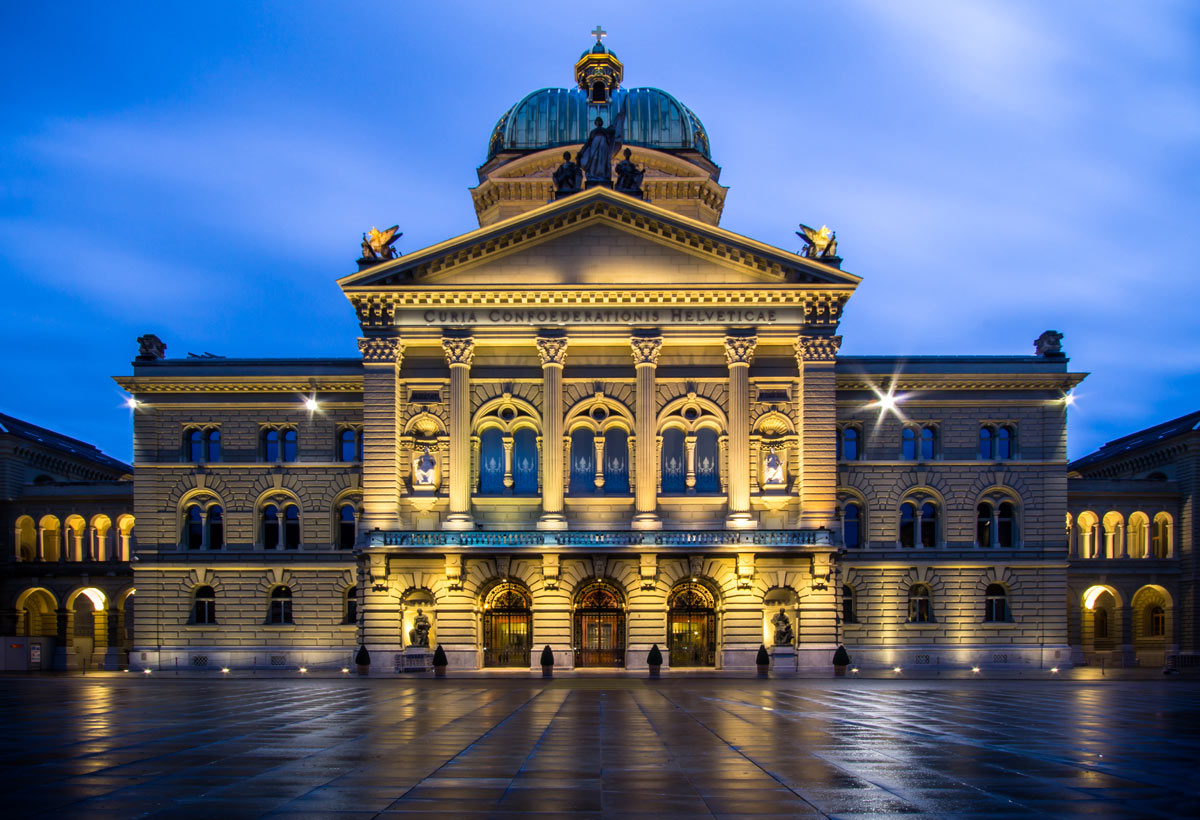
601	146
377	245
568	177
818	244
1049	345
629	176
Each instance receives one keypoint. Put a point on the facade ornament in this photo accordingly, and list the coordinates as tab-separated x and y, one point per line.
424	471
552	350
151	347
646	349
568	177
550	570
783	629
377	245
459	350
1048	345
381	350
819	244
454	567
629	176
817	348
740	349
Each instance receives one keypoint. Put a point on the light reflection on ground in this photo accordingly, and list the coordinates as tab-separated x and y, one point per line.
588	747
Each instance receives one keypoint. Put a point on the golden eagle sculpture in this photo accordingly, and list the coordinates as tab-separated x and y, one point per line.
377	245
818	244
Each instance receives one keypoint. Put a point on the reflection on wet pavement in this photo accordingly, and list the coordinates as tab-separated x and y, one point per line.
593	747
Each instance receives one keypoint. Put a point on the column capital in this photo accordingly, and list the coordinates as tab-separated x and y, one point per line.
381	349
740	349
817	348
646	349
552	350
459	350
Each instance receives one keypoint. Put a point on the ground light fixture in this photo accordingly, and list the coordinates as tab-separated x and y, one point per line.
1054	670
145	671
975	669
224	670
896	669
303	669
345	671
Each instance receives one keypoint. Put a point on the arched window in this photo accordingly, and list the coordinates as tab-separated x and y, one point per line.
1006	525
525	461
995	604
849	610
491	462
852	525
983	525
928	443
270	444
1006	438
708	466
215	524
347	527
1161	543
280	608
908	524
920	604
908	444
987	437
350	444
194	445
212	445
291	527
193	527
270	527
1157	622
674	461
290	441
616	461
847	444
204	606
929	524
583	461
350	611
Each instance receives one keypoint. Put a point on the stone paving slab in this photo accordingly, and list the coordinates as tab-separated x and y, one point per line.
114	746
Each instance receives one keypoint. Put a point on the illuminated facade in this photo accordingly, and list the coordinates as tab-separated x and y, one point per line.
66	584
597	423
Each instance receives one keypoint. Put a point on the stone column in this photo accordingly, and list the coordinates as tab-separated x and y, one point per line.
739	353
553	352
645	362
382	409
815	359
459	352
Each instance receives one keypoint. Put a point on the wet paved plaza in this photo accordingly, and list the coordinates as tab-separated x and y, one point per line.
597	747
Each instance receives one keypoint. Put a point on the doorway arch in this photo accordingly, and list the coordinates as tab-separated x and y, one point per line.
599	626
692	625
507	626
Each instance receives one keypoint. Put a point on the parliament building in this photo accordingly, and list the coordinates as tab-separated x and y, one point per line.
601	422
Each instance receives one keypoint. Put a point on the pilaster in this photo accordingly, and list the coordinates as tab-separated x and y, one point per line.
382	426
459	353
816	357
739	353
553	353
646	350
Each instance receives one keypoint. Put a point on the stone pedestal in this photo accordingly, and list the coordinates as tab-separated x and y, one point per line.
415	659
783	659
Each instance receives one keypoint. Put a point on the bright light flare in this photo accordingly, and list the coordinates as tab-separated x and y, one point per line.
312	404
146	671
1089	597
132	403
345	671
1069	399
303	669
975	669
95	596
225	670
896	669
1054	669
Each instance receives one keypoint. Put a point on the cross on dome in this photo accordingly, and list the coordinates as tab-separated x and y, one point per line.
598	33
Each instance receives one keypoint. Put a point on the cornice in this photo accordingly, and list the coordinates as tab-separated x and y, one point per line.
139	385
959	381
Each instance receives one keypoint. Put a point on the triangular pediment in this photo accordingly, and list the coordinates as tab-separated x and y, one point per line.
594	239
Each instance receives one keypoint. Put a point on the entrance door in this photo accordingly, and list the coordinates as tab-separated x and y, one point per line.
599	627
692	626
507	627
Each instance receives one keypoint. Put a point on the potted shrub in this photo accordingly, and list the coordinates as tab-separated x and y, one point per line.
841	659
439	662
362	659
654	661
763	660
547	662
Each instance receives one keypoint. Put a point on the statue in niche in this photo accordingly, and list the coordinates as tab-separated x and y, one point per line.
773	469
568	177
424	472
601	146
629	176
419	634
783	629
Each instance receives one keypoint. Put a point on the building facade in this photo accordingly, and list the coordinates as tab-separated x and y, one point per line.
601	422
66	581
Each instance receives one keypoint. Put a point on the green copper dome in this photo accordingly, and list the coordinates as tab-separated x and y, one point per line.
559	116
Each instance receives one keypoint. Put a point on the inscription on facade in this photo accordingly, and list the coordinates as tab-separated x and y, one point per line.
602	316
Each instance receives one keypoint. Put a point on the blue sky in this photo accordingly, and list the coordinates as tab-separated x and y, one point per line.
993	169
